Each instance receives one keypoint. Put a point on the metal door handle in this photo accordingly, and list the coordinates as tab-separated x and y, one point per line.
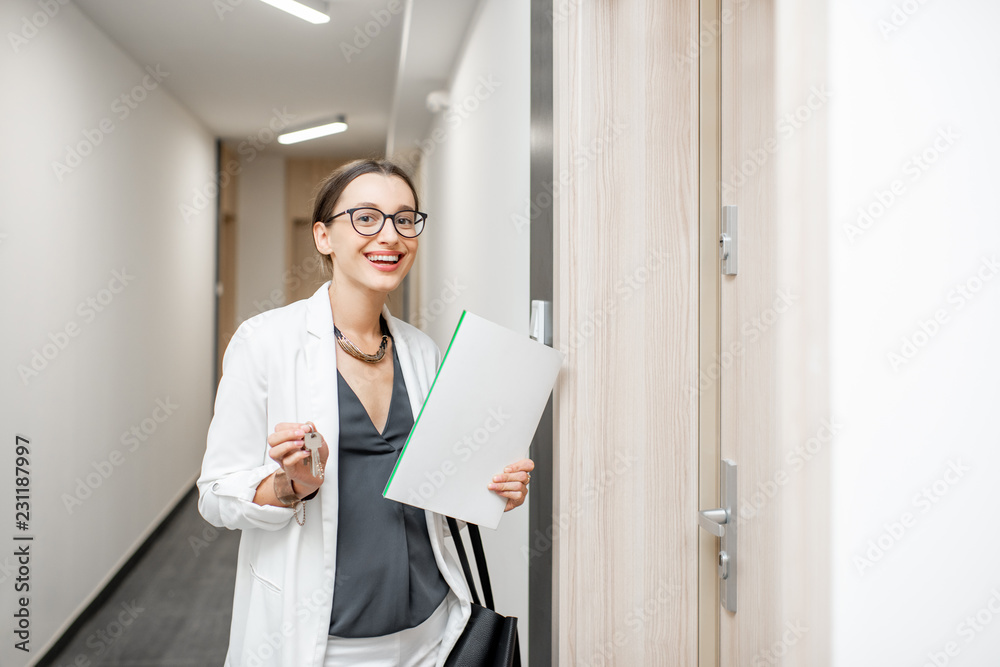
728	241
540	325
714	521
722	522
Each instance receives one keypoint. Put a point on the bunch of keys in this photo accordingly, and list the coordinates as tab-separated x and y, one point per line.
313	442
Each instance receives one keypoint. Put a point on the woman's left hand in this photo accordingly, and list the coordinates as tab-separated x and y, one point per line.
512	483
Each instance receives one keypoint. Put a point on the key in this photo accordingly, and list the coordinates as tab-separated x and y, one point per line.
313	442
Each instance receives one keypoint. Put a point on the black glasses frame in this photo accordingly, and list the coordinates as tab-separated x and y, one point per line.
385	216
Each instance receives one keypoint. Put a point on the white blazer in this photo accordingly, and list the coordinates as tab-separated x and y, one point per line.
281	366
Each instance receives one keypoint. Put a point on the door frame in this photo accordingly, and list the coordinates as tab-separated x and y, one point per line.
707	386
543	649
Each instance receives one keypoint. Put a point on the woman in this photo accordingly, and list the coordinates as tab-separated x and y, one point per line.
359	579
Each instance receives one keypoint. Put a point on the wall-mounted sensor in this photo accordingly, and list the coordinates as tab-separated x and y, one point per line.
438	101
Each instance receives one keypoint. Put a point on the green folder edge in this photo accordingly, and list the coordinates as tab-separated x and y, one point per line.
429	392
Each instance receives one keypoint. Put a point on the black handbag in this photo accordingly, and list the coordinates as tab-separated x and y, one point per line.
489	639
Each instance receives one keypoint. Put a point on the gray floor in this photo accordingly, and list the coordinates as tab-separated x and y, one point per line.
173	608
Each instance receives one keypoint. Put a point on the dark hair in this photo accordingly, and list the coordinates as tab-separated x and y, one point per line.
335	183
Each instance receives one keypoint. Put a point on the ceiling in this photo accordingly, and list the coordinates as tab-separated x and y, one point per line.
232	63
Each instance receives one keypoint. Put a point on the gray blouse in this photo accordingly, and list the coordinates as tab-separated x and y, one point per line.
387	579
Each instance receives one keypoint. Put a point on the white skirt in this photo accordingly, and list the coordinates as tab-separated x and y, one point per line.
413	647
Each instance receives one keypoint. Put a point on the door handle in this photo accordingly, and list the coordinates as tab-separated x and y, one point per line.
540	325
714	521
728	241
722	522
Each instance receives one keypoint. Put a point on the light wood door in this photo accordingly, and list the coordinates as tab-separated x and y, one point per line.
747	380
625	298
304	270
769	374
663	113
225	288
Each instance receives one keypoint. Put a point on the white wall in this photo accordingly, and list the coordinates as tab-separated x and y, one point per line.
913	571
260	236
472	255
147	339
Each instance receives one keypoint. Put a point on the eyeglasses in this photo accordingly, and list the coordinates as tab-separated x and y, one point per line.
369	221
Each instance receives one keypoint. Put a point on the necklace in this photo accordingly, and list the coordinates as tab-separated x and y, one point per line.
348	346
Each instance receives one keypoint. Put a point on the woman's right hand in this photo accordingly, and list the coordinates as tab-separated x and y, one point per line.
288	449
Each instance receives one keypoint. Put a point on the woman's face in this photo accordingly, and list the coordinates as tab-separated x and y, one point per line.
359	260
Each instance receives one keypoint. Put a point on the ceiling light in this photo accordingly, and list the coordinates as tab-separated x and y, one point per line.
315	132
314	11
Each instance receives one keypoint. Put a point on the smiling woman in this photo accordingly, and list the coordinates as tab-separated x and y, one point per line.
360	186
365	580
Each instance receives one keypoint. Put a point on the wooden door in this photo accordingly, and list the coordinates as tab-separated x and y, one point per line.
664	112
304	271
225	288
625	193
769	372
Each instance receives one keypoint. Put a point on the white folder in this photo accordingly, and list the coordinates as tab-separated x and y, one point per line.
479	417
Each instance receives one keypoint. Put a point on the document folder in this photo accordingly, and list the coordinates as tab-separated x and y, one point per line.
479	417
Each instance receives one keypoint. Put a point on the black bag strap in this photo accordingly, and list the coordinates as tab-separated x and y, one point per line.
460	548
484	573
480	554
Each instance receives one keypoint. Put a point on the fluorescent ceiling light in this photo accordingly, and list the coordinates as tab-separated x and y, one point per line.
312	132
316	13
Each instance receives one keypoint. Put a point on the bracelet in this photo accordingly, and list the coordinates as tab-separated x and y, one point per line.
286	495
283	489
